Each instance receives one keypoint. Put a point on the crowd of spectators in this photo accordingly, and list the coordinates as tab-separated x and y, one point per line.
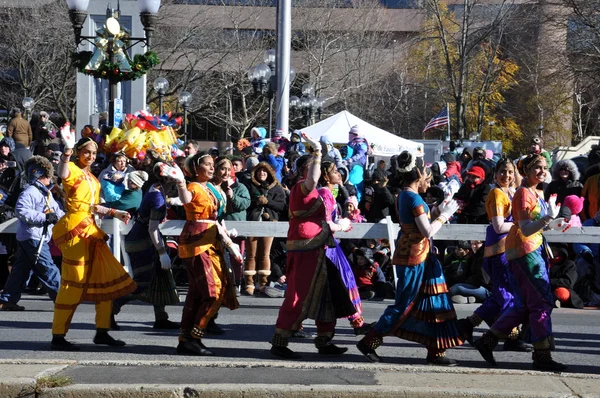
262	172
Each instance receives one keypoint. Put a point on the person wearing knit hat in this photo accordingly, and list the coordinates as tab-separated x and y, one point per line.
351	210
477	172
295	144
37	212
536	147
131	198
472	197
149	261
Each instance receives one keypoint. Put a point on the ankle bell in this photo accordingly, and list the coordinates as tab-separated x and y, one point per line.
279	340
197	333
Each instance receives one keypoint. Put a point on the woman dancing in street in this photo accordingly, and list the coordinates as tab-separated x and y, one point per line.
315	289
201	246
528	268
422	311
498	205
145	246
89	270
330	178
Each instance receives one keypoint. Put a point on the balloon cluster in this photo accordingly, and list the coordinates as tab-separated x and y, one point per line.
141	132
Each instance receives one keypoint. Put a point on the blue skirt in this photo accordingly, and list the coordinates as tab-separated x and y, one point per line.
422	311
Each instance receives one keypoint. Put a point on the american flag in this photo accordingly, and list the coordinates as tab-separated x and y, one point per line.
439	120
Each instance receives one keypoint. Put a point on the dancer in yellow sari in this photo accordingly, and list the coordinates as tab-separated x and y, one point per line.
89	270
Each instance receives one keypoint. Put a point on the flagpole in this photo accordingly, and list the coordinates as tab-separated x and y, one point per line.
448	112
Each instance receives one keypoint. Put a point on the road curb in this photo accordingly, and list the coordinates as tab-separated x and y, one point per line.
21	387
273	391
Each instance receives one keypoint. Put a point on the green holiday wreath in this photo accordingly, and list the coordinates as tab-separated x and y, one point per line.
140	65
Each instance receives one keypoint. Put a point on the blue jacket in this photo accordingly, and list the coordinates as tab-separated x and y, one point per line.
593	248
31	209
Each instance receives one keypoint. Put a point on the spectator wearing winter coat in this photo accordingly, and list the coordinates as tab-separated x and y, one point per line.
258	139
453	168
455	265
244	177
21	154
331	152
565	181
370	279
295	144
268	201
112	178
563	275
19	129
269	156
472	196
476	281
356	159
588	255
383	202
536	146
131	198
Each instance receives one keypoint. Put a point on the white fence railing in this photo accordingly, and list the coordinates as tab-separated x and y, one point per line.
359	231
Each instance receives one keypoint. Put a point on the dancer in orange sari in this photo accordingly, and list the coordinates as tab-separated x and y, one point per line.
89	270
201	246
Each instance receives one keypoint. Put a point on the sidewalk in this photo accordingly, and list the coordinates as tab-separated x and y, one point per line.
116	379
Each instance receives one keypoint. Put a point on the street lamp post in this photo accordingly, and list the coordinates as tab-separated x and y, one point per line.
184	99
264	81
491	124
541	130
308	105
112	42
28	104
161	85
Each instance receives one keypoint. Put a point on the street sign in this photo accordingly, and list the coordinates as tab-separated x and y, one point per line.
118	115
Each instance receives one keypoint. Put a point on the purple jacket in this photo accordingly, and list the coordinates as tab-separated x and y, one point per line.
360	147
31	209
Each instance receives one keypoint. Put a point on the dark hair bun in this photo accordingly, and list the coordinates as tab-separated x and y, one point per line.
405	162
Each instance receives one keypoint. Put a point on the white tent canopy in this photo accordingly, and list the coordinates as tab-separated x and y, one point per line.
336	128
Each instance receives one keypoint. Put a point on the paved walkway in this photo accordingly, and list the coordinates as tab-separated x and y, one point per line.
116	379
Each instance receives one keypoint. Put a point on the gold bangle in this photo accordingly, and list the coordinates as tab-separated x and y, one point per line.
441	219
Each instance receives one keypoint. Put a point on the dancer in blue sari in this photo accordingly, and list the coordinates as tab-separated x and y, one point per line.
422	311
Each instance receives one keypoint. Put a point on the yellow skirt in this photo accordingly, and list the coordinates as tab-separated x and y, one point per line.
88	263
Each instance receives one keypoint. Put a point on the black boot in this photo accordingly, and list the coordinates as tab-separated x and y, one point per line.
364	329
542	360
368	345
323	344
279	348
102	337
438	358
213	328
465	328
193	347
485	345
59	343
165	324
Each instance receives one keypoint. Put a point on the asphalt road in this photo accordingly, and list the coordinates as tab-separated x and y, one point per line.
26	335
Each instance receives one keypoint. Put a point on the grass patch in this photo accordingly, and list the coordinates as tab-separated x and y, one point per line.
53	382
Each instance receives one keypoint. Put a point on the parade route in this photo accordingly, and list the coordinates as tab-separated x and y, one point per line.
148	366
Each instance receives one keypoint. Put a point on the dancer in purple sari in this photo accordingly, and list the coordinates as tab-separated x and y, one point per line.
498	206
330	177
